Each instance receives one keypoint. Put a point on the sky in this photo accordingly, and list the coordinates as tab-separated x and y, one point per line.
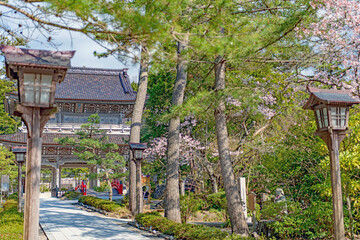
84	48
64	40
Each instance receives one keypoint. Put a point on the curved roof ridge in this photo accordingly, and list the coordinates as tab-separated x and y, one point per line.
96	71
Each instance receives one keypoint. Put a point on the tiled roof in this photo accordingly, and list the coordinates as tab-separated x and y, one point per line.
95	84
48	138
23	56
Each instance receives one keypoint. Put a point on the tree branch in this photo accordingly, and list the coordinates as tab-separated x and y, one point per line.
285	34
82	30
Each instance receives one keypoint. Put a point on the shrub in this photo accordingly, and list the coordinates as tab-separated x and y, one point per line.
277	211
72	195
179	230
217	201
13	196
9	204
314	222
44	188
103	204
189	204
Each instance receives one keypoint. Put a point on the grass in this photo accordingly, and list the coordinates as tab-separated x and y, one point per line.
11	222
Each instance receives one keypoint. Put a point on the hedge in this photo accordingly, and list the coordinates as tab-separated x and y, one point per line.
71	195
181	230
103	204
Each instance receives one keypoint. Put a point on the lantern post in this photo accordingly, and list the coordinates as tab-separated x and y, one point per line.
331	108
36	72
137	150
20	159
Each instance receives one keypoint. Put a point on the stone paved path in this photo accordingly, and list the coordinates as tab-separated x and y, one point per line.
61	220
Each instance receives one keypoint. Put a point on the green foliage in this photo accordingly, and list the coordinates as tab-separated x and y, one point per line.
180	230
277	211
11	203
11	222
217	201
44	188
8	124
189	205
77	173
105	205
71	195
93	146
314	222
7	166
160	88
13	196
135	86
103	187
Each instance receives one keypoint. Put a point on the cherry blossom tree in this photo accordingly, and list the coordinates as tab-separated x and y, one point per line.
189	149
335	37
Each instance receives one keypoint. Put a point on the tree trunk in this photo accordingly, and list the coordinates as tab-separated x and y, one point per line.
210	170
236	214
348	202
136	123
172	198
214	185
109	184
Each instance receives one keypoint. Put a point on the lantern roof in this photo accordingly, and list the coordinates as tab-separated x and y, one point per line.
329	96
18	149
36	58
138	146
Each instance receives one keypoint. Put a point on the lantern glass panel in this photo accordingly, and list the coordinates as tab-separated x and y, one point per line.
138	154
20	157
29	88
322	117
326	119
318	116
46	81
338	117
37	88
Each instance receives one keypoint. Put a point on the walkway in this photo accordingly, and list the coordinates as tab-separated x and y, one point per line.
61	220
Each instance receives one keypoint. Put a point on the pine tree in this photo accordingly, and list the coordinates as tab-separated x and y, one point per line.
92	145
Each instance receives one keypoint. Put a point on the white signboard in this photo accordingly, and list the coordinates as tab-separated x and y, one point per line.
5	182
242	188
